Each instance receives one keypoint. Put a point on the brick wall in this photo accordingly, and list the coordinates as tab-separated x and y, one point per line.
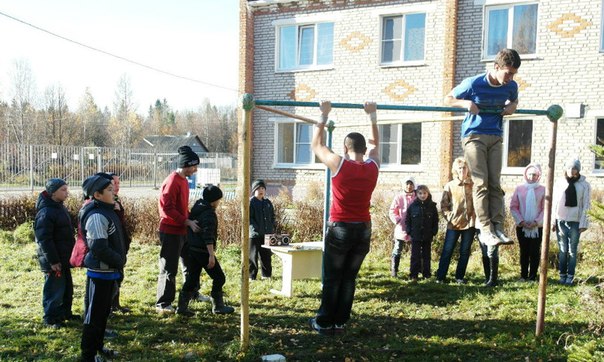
567	70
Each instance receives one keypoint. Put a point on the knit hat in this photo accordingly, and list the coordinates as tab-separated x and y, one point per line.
258	184
408	179
186	157
93	184
211	193
106	175
53	184
573	163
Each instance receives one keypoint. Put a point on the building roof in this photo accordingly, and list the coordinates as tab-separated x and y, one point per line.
171	143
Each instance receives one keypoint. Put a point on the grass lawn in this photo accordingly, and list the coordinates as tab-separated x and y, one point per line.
393	319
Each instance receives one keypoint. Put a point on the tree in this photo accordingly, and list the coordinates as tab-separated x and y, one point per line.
92	122
125	125
21	116
56	114
162	119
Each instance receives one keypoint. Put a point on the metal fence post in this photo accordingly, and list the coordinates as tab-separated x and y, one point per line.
31	167
155	170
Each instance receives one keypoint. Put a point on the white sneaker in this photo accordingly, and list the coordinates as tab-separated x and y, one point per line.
504	239
203	298
487	238
165	310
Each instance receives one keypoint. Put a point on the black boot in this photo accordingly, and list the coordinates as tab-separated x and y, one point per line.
218	306
487	268
394	263
183	304
494	264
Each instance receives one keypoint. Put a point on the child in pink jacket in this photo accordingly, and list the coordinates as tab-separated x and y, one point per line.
397	213
526	207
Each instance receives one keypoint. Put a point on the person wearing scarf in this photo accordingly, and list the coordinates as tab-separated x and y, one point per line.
526	208
570	203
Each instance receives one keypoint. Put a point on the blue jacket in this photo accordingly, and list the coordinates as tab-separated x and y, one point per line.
54	232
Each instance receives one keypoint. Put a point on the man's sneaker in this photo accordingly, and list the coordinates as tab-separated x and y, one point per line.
54	325
569	281
109	353
488	238
460	281
562	280
326	331
504	239
339	328
165	310
440	281
185	312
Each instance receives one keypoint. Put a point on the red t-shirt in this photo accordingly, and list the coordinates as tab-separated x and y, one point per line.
352	186
174	205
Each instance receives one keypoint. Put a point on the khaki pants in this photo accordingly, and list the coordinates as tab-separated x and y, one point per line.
484	156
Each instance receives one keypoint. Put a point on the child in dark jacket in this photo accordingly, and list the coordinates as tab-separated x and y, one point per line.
202	248
422	226
262	222
104	261
54	235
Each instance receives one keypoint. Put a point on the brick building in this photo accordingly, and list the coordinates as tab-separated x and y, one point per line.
413	52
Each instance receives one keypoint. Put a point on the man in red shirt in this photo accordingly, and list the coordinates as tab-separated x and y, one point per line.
349	229
174	219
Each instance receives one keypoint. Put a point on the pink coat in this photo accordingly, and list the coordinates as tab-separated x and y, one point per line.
518	204
398	212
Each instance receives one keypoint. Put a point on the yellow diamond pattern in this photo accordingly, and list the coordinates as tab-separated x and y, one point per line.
302	93
522	84
568	25
355	41
399	90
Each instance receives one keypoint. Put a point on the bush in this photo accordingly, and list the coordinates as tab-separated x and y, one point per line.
24	233
16	210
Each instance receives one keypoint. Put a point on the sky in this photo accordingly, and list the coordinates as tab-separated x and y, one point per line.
197	39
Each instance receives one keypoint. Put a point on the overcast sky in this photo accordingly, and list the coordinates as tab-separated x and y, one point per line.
195	39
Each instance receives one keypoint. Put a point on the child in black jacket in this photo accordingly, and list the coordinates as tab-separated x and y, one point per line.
422	226
202	248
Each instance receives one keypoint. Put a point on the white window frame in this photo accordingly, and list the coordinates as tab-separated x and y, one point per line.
402	62
506	138
398	166
602	29
298	23
492	5
291	165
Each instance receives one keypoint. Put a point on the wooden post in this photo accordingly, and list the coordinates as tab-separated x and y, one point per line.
246	130
547	214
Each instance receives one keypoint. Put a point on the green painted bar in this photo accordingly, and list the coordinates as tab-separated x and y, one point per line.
391	107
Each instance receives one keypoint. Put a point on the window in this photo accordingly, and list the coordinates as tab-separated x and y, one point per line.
305	46
403	38
519	142
602	29
293	143
599	164
510	26
400	144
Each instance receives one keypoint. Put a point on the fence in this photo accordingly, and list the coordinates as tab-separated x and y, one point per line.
24	167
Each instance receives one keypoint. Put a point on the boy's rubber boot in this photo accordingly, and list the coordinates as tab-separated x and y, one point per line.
486	265
183	304
218	306
494	264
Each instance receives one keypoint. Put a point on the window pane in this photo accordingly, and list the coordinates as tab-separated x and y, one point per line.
285	140
600	141
303	138
498	30
391	39
389	143
287	47
306	45
520	140
325	43
524	37
415	26
411	144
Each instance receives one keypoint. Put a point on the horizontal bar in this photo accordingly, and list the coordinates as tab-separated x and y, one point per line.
392	107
